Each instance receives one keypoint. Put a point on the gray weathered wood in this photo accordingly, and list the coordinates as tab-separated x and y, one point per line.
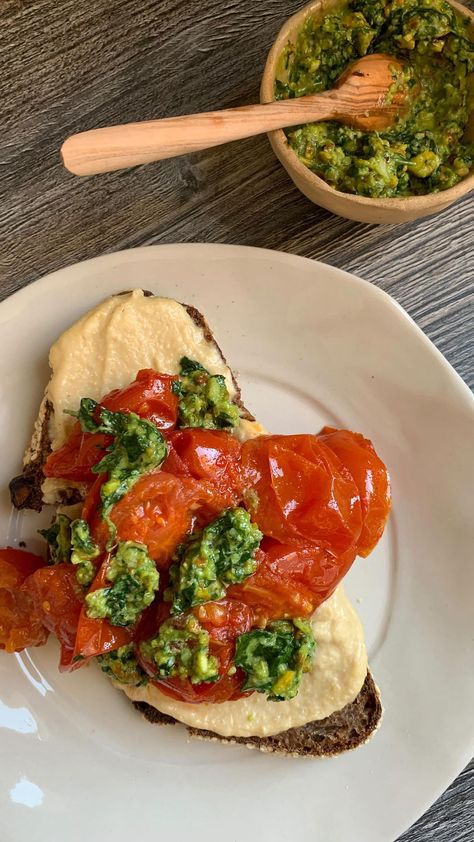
68	66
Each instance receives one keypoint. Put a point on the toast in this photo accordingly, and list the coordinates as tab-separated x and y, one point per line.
344	729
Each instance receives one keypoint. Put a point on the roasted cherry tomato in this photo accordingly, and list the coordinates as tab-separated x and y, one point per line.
291	581
96	637
149	396
58	599
304	494
16	565
372	480
158	511
227	689
212	455
20	623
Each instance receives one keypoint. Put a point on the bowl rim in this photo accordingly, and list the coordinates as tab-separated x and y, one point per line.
287	156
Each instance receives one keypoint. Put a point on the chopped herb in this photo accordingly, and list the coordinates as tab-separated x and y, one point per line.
84	551
204	400
181	650
276	657
58	537
134	582
121	665
220	554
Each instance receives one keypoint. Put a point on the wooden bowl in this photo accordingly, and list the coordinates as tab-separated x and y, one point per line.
360	208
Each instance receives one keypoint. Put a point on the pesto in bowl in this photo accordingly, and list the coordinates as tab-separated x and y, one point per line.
425	152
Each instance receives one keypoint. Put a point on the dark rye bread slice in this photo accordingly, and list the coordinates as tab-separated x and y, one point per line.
25	489
343	730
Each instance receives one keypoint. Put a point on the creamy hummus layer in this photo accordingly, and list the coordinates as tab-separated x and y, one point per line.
337	675
106	348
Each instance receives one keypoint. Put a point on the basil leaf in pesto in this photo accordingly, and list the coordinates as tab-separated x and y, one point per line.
133	581
203	398
121	665
83	551
58	538
138	447
276	657
181	650
221	554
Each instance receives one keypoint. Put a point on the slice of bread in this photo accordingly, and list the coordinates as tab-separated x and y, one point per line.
342	730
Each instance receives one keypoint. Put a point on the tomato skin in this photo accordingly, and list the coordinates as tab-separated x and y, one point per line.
58	599
96	637
291	581
225	690
158	511
16	565
20	623
372	480
149	396
305	494
212	455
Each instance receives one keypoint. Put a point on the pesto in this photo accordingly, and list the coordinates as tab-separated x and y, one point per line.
133	581
425	151
71	541
83	552
138	447
58	538
181	650
203	398
121	665
276	657
221	554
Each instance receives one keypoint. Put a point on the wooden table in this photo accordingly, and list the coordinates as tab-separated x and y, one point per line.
68	66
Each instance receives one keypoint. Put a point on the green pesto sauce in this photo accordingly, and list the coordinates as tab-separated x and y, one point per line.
203	398
276	657
121	665
221	554
133	581
181	650
137	447
425	151
71	541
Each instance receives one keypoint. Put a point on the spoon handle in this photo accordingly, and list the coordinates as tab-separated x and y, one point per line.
117	147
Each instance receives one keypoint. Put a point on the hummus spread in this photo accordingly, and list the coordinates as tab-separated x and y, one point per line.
337	675
106	348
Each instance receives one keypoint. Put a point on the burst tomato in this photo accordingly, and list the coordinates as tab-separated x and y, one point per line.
291	581
372	480
304	492
149	396
158	511
58	599
20	623
212	455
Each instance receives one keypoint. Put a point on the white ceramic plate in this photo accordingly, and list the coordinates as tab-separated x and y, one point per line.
312	345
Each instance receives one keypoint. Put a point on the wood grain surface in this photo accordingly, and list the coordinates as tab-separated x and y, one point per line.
68	66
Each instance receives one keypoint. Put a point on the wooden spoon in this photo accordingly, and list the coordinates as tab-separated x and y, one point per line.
361	98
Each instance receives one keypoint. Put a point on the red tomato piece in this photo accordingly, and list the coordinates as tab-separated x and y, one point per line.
212	455
20	624
225	690
304	492
149	396
372	480
58	599
158	511
94	636
291	581
16	565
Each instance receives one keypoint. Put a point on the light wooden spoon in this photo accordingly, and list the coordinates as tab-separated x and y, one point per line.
361	98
